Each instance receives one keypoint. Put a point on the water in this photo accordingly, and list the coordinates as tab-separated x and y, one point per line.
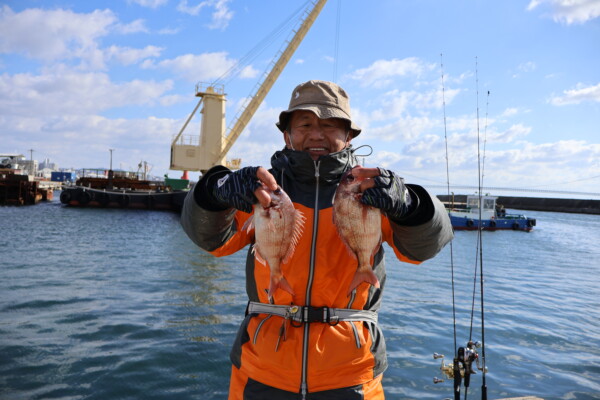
113	304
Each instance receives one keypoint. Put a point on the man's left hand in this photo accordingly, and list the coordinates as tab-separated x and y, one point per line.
385	190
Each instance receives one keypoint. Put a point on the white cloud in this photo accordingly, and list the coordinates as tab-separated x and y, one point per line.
528	66
128	56
249	72
149	3
221	15
203	67
509	112
139	25
379	72
578	95
569	11
53	34
169	31
67	92
402	128
510	135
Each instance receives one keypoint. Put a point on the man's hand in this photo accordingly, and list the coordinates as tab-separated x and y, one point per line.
385	190
244	187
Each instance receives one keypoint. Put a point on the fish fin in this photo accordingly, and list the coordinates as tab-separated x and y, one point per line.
298	229
258	256
249	224
375	250
279	283
363	276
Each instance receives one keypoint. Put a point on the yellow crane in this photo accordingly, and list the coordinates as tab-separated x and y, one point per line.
210	147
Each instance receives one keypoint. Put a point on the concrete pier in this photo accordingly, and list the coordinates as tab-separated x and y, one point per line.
578	206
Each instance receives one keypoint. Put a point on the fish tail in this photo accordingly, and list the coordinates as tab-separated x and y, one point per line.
279	282
363	275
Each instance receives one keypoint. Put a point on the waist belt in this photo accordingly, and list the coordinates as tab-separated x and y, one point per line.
309	314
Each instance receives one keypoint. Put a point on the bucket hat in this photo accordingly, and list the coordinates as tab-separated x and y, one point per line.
326	99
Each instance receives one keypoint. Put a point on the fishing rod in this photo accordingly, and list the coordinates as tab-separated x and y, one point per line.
462	366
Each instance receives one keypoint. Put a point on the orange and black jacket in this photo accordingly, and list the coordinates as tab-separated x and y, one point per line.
314	356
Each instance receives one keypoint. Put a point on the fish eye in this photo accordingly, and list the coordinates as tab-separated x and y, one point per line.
277	191
350	178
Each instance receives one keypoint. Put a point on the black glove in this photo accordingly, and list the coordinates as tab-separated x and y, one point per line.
389	195
236	189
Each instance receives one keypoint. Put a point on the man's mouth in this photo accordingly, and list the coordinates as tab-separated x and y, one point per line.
317	150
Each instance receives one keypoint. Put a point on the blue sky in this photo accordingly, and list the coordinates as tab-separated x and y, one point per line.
80	77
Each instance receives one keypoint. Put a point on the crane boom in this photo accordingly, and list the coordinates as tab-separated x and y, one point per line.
265	87
204	151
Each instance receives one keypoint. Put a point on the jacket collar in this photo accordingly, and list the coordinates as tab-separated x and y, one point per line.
299	166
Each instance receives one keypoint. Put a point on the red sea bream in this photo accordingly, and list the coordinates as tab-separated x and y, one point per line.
359	227
276	231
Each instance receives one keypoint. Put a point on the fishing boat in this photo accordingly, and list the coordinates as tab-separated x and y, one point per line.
466	216
122	189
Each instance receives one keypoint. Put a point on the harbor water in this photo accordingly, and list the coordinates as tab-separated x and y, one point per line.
120	304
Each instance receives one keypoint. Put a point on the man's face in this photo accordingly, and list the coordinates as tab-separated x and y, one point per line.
316	136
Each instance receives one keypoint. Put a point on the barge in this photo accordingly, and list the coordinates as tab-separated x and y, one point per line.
121	189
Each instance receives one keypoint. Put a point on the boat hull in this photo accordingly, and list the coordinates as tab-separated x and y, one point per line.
78	196
492	224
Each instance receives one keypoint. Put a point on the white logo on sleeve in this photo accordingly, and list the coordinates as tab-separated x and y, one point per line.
221	181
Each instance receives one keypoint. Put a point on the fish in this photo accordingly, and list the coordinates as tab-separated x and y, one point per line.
277	229
359	227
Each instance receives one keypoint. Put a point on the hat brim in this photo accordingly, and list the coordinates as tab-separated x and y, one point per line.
322	112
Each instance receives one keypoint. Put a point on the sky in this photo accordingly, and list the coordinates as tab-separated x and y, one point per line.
445	91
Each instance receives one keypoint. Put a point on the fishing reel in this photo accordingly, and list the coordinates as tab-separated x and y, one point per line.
462	367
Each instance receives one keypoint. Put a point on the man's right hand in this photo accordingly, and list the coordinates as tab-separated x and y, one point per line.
244	187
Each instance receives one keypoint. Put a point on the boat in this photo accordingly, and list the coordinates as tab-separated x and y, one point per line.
17	187
98	188
466	216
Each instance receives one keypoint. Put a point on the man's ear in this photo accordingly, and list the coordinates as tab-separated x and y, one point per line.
287	139
349	138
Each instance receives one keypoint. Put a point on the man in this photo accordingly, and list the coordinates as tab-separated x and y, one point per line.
320	343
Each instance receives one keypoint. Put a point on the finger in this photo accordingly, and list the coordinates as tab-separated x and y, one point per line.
266	178
263	197
367	184
363	172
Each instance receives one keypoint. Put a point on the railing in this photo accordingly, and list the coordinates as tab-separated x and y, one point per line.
187	140
205	87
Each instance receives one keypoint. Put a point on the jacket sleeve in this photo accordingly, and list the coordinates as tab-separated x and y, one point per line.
422	234
207	224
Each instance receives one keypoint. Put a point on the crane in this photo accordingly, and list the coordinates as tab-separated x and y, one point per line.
210	147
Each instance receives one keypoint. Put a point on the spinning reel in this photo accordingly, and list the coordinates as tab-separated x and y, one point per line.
462	367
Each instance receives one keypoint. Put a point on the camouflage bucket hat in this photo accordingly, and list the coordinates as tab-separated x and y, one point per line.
325	99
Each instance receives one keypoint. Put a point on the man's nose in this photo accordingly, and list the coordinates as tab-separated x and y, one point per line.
317	131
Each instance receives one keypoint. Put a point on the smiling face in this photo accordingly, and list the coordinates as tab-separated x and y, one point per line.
318	137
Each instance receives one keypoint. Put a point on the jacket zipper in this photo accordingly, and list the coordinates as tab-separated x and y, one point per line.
304	384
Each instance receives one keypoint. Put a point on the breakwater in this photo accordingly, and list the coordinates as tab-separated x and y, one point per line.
579	206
